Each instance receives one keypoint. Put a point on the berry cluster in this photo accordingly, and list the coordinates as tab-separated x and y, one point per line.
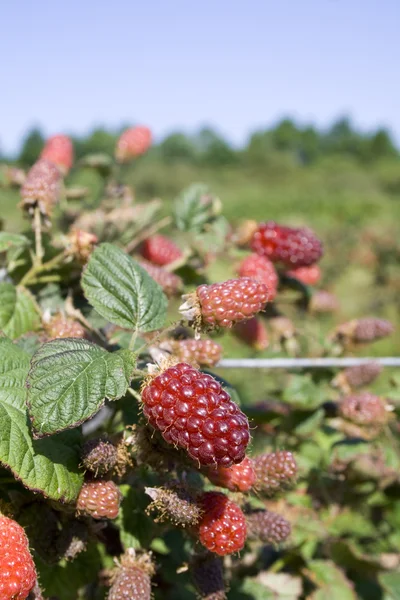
224	304
100	499
222	528
287	245
256	266
202	353
195	413
274	471
59	150
17	570
237	478
160	250
364	409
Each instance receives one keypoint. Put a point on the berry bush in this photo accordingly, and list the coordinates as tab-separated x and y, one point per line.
130	467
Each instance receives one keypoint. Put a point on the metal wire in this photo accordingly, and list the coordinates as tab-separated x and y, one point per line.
300	363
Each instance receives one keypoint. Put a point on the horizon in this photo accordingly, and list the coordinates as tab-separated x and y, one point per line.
177	68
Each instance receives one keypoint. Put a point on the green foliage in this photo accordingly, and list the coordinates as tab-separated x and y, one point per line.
46	466
18	311
122	292
344	505
69	381
31	147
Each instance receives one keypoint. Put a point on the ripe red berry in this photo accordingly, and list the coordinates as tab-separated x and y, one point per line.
253	332
160	250
99	499
237	478
171	283
17	569
307	275
132	143
222	528
202	353
274	471
224	304
193	412
262	269
293	247
42	187
364	409
60	151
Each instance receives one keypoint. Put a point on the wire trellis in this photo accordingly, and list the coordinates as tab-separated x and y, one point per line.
301	363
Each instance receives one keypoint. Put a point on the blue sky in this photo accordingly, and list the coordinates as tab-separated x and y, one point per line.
177	64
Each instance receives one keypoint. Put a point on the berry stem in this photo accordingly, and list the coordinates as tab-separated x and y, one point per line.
179	262
147	233
135	394
37	226
31	276
133	340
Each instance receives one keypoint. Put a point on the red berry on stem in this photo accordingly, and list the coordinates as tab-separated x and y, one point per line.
160	250
293	247
307	275
262	269
364	409
204	353
253	332
42	187
132	578
274	471
222	528
17	569
60	151
193	412
268	527
132	143
237	478
99	499
224	304
171	283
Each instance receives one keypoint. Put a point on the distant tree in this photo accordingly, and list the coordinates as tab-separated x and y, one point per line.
31	147
342	138
214	149
177	147
258	148
381	145
309	145
99	141
285	136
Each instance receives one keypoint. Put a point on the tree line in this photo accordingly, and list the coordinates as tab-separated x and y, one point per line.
305	144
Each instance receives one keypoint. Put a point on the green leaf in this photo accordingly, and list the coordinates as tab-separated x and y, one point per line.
48	466
69	381
303	393
332	581
64	580
18	311
391	583
121	290
195	207
135	526
12	240
274	586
